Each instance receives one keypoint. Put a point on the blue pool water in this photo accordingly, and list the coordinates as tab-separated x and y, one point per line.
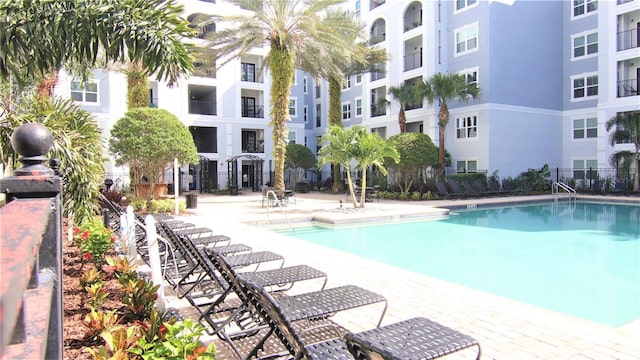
581	259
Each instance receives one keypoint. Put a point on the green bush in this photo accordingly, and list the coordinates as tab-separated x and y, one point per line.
166	206
469	177
427	196
416	196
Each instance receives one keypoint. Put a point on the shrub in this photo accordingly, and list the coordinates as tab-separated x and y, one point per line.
166	206
416	196
427	196
94	239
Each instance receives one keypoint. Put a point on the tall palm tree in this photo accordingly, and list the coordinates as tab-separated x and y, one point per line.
307	34
627	131
446	88
338	147
406	95
371	151
369	58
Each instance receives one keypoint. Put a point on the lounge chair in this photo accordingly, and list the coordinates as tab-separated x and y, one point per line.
456	191
441	189
416	338
469	190
299	308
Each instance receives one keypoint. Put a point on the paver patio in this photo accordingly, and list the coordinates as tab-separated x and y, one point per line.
506	329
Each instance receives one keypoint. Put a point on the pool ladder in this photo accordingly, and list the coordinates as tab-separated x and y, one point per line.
280	205
557	186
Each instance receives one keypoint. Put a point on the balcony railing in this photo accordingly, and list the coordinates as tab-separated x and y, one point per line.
378	110
413	61
413	106
253	111
628	87
628	39
202	107
377	75
203	71
253	148
375	3
620	2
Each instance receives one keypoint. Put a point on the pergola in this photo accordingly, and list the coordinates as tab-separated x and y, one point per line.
255	178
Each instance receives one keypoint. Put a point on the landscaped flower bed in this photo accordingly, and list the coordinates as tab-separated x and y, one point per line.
109	309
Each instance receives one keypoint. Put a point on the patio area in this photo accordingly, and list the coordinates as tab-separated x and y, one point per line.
505	329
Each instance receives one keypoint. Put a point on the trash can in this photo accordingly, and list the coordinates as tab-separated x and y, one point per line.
192	200
233	189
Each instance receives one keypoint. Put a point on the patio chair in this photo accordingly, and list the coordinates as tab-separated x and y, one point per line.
456	191
416	338
217	315
441	189
315	305
469	190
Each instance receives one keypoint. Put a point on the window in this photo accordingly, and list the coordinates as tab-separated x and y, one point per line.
581	7
471	75
464	166
305	141
252	140
585	86
346	83
305	113
317	89
462	4
84	93
358	79
358	107
318	111
466	39
585	45
304	85
248	72
292	137
293	107
585	169
346	111
585	128
467	127
318	143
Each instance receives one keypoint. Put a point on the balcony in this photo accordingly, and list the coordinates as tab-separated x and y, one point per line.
253	141
628	87
377	75
413	16
255	111
413	60
375	3
201	107
628	39
378	110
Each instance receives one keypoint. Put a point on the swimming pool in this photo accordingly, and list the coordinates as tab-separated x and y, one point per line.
581	259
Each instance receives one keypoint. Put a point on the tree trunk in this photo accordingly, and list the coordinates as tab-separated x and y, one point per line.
443	118
363	191
402	120
335	118
137	86
282	71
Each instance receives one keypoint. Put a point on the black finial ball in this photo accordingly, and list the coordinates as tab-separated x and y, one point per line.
32	139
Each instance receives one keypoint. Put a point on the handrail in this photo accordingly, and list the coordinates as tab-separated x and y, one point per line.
280	205
560	185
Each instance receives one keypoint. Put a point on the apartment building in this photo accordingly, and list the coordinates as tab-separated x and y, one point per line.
551	73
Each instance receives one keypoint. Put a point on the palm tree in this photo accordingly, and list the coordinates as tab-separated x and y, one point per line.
446	88
406	95
44	36
307	34
372	150
338	147
627	131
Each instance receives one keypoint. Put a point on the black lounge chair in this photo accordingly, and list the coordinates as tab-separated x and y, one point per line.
416	338
441	189
456	191
469	190
312	306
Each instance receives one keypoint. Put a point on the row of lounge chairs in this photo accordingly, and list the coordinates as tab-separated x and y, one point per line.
453	189
243	297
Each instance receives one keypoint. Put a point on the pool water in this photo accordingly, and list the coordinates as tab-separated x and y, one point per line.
581	259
